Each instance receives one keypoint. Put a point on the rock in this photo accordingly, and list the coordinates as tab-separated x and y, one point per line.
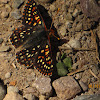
42	97
2	91
12	89
29	97
78	27
52	8
75	13
83	85
4	1
54	98
88	97
66	87
69	17
84	38
13	96
29	90
17	3
4	48
73	43
43	86
91	9
16	14
68	24
1	40
7	75
4	14
62	30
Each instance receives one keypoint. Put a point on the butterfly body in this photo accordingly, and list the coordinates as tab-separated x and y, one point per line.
31	41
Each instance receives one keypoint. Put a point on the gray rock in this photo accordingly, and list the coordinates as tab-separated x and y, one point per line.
43	85
12	89
88	97
73	43
68	24
7	75
17	3
84	38
13	96
16	14
83	85
2	92
29	97
66	87
78	27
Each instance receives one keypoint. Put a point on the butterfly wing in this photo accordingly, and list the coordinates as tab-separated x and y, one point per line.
43	60
19	35
38	57
31	16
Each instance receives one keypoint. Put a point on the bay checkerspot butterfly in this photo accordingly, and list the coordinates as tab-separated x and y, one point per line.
32	42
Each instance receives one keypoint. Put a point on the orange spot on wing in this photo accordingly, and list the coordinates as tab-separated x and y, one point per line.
38	20
47	49
29	23
31	19
33	8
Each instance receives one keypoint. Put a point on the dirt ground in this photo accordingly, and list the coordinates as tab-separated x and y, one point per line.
85	58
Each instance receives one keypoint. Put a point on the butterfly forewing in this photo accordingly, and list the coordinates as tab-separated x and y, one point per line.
20	35
31	15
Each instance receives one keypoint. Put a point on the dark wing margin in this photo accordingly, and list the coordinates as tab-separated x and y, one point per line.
19	35
31	16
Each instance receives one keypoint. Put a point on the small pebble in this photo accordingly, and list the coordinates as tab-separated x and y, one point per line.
75	13
68	24
1	40
52	8
73	43
8	75
78	27
17	3
29	97
69	17
16	14
12	89
63	30
84	38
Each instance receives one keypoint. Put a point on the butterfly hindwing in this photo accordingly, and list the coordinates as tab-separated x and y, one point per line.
44	62
26	57
31	16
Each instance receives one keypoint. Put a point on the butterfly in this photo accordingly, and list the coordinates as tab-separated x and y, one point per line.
32	41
